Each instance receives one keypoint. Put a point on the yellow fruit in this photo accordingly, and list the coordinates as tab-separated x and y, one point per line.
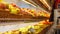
9	32
13	10
0	33
15	32
1	0
36	27
5	33
23	29
37	31
32	11
28	27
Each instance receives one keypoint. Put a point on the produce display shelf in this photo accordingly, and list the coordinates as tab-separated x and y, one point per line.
46	29
5	26
15	25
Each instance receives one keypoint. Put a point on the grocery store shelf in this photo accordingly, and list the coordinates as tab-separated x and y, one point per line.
13	25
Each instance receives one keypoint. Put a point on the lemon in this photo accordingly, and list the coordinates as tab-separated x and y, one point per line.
0	33
36	27
9	32
13	10
1	0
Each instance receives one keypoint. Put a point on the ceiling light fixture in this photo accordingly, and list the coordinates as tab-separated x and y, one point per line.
44	2
47	4
35	6
28	3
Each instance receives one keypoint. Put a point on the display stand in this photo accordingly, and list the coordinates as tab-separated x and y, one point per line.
57	20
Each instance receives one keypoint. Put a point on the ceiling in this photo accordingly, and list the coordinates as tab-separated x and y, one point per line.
44	4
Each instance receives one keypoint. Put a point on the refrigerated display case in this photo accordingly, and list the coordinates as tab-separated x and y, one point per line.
21	17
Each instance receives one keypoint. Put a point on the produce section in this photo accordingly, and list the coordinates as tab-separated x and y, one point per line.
35	29
15	10
17	20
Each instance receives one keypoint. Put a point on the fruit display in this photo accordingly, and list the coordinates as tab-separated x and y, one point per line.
14	9
10	11
31	29
0	33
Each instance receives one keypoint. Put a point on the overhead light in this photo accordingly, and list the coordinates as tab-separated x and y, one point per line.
35	6
44	2
28	3
47	4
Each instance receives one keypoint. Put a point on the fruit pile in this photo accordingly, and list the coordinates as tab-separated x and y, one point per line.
14	9
32	29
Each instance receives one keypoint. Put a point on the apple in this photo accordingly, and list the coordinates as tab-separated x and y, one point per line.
14	5
47	22
3	6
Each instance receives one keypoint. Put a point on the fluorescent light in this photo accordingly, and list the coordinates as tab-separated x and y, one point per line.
47	4
44	2
35	6
28	3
